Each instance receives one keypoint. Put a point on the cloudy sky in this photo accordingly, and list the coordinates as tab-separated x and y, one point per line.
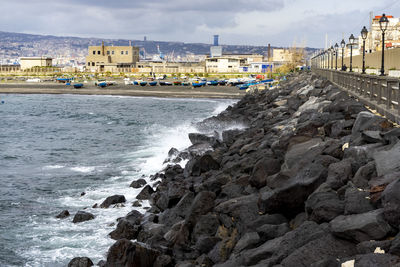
245	22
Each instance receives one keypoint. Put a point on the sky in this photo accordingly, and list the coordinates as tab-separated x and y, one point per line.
241	22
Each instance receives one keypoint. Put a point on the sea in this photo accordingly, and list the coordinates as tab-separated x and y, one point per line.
69	152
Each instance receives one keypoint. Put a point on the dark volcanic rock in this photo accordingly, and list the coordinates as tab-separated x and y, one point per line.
320	249
387	160
82	216
80	262
112	200
126	253
339	173
262	169
63	214
374	260
290	199
368	121
145	193
200	165
356	201
271	231
391	203
138	183
198	138
361	227
324	206
202	204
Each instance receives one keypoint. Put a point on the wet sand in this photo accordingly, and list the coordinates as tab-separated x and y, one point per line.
123	90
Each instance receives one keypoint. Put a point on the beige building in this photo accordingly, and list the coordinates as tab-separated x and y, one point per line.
374	39
170	67
112	58
30	62
281	55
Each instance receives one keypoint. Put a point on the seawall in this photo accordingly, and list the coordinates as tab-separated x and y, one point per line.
312	181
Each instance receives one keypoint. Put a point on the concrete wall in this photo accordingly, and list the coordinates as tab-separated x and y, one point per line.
373	60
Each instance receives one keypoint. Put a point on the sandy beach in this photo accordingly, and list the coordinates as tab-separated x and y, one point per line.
124	90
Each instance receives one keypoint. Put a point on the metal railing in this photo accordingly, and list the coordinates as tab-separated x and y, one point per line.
378	92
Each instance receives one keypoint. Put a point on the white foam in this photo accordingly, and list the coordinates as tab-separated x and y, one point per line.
83	169
53	167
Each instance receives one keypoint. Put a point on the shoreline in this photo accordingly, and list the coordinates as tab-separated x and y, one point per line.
222	92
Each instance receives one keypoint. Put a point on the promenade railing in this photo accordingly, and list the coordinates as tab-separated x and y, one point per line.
380	93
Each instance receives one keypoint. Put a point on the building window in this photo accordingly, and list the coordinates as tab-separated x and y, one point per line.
112	52
92	63
94	52
88	63
108	52
98	52
126	52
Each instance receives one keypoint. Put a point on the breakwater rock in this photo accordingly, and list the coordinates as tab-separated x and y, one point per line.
312	181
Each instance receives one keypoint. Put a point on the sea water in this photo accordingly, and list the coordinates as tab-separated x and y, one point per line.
69	152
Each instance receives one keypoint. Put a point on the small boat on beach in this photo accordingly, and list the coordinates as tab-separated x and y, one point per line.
168	83
78	85
243	86
162	83
185	83
154	83
212	83
135	83
143	83
102	84
177	83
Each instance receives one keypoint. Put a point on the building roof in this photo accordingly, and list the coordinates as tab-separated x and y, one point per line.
35	58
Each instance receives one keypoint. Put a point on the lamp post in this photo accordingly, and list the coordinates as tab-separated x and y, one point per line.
342	44
336	52
327	55
351	43
364	34
332	51
383	23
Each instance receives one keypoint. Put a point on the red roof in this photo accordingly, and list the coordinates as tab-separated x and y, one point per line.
378	17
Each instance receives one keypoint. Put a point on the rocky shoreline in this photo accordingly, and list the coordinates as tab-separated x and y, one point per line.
312	181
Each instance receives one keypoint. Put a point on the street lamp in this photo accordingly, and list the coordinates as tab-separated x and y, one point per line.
328	56
342	44
331	49
351	43
364	34
383	23
336	52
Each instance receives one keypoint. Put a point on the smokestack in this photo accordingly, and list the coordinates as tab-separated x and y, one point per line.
269	52
216	40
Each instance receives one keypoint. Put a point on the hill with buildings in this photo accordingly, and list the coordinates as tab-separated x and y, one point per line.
72	50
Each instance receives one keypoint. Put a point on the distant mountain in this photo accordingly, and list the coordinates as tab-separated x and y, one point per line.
14	45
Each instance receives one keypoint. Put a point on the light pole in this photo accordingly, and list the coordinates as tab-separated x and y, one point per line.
383	23
351	43
342	44
364	34
331	49
336	52
327	55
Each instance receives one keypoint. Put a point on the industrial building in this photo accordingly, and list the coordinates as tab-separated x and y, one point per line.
112	58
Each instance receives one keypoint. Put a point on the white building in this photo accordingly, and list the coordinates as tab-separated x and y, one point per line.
222	64
30	62
257	67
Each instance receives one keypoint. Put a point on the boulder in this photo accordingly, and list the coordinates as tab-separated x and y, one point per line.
138	183
319	249
271	231
339	173
163	261
373	260
387	160
63	214
247	241
201	164
394	246
229	136
82	216
356	201
361	227
198	138
266	219
202	204
367	121
290	199
125	253
323	206
145	193
391	203
206	225
370	246
112	200
80	262
125	229
262	169
364	174
206	243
